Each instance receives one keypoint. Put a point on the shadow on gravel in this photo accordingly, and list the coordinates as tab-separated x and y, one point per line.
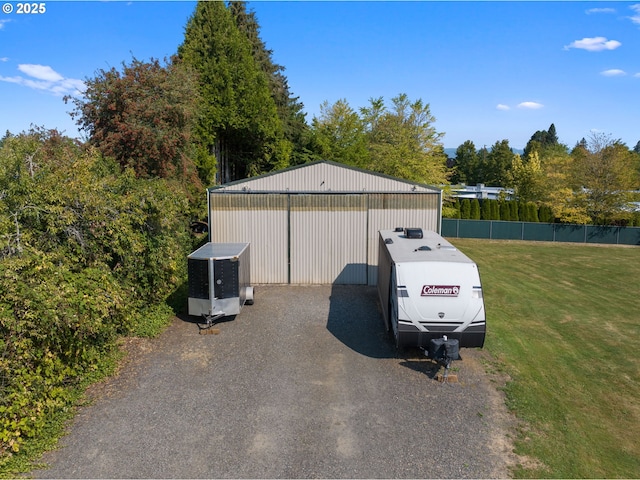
355	319
426	366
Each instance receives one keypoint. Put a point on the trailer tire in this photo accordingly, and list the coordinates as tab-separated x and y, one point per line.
248	296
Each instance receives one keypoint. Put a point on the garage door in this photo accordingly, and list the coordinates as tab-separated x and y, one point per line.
328	239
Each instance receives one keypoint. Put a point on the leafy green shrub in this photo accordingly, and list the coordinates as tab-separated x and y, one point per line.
89	253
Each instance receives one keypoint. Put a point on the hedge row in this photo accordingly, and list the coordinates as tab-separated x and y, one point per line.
508	210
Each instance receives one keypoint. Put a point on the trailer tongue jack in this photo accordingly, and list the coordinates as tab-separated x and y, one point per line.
443	351
211	320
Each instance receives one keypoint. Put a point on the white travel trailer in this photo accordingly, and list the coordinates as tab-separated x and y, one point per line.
219	280
428	289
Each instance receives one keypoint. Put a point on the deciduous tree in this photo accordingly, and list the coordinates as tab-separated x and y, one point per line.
526	177
142	116
339	135
403	141
605	172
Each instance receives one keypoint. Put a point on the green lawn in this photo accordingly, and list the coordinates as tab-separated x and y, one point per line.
563	320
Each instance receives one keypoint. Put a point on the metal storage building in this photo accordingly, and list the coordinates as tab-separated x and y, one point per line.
318	223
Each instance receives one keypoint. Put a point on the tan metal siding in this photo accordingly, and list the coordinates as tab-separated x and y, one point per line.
388	211
325	177
260	220
300	236
328	239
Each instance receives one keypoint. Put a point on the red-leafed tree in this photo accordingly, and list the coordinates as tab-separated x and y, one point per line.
142	116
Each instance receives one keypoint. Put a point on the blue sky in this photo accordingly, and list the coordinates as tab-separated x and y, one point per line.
489	70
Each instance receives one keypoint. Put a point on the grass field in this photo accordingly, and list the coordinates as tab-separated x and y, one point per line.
563	321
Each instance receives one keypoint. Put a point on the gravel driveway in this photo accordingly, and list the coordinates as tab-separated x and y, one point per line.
303	384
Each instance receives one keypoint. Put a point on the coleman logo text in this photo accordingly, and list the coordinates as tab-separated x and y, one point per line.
440	291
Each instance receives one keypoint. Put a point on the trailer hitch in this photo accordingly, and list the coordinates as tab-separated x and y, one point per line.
210	320
443	351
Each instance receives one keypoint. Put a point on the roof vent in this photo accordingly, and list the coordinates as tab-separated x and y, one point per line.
413	232
423	248
399	229
388	240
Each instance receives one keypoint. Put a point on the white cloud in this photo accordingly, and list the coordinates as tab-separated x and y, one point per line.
637	75
41	72
636	17
614	72
501	106
600	10
12	79
530	105
2	22
45	78
595	44
4	59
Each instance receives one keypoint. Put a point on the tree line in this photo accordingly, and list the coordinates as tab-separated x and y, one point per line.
594	182
222	108
226	112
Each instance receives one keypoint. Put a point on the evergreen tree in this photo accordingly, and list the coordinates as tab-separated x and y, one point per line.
505	211
467	164
532	212
523	213
475	209
498	163
513	207
552	137
289	108
239	132
465	209
485	210
456	205
8	135
495	209
482	169
545	214
541	140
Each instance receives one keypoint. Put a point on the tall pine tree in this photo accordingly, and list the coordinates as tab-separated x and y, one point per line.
289	108
239	131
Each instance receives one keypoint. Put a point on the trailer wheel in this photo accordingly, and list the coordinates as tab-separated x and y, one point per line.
248	296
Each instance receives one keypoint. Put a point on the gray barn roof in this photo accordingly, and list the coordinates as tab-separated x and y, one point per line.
323	176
